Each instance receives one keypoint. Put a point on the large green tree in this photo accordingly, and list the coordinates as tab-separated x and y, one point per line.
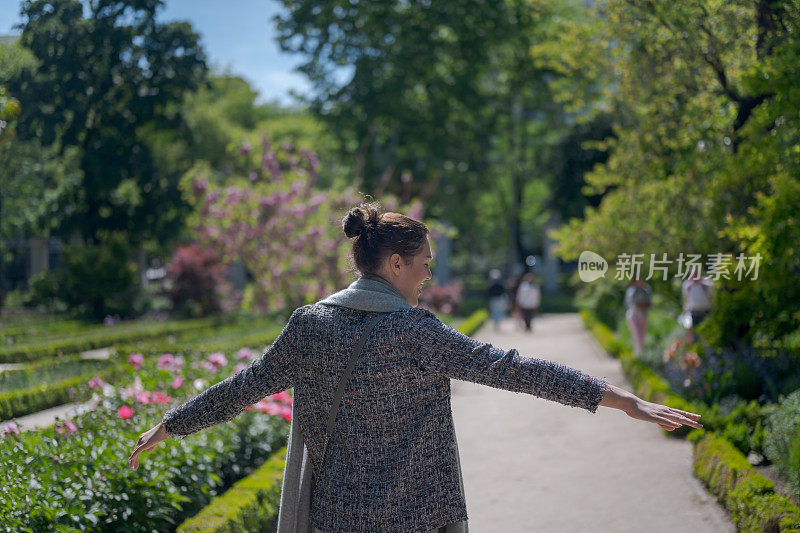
32	177
12	60
681	96
443	101
703	159
413	116
108	73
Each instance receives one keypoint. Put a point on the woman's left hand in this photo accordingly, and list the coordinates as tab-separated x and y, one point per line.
668	418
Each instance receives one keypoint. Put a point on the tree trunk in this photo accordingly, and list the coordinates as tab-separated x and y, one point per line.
517	183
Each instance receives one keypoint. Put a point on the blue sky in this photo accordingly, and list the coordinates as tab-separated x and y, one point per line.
237	34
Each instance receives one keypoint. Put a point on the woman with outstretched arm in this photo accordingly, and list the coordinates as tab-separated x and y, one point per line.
372	425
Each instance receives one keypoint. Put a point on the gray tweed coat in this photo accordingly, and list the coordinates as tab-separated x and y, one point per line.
392	463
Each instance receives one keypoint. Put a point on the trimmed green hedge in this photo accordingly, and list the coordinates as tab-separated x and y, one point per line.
472	323
16	334
261	338
34	399
749	497
18	353
225	339
252	504
50	371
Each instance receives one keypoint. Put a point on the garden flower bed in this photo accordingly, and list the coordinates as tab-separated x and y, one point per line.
74	476
53	382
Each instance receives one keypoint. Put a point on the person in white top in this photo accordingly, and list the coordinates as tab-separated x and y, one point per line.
528	298
638	303
698	300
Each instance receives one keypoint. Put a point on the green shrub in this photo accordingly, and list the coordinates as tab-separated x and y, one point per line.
98	338
43	291
748	496
252	504
473	323
782	440
15	299
561	302
662	323
98	280
738	421
473	303
604	299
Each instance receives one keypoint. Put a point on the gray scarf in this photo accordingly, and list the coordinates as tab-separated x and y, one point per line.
369	294
373	294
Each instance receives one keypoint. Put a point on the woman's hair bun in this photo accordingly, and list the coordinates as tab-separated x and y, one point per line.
377	235
358	218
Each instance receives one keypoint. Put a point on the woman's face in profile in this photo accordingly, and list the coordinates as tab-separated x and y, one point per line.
410	278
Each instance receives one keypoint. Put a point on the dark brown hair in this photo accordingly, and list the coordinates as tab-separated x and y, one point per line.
378	235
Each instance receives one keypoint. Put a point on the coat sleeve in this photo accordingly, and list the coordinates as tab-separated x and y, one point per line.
273	372
441	349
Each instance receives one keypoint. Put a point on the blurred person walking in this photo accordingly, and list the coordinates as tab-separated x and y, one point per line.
389	461
638	297
512	284
528	299
496	293
698	300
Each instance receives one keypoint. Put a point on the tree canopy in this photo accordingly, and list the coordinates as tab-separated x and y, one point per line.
105	71
704	158
445	101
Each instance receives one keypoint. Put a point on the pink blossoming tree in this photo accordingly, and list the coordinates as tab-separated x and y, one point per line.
270	216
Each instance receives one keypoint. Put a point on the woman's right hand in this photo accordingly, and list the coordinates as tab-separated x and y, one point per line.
668	418
147	443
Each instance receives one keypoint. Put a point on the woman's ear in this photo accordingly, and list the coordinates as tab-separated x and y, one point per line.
394	264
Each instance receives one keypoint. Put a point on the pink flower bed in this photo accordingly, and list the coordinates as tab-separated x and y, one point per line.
137	394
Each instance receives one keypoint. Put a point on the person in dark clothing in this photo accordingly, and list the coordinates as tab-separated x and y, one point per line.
528	298
497	297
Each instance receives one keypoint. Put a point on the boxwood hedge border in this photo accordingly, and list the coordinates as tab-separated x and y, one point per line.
750	498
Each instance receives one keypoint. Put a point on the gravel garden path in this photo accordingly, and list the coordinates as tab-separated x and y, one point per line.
533	465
